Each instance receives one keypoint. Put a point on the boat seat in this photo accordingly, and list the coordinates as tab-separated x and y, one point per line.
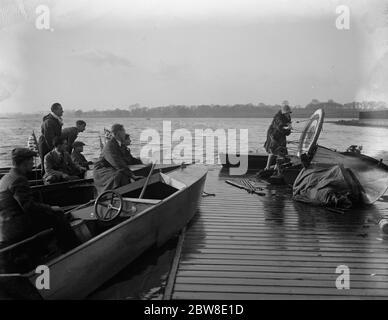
24	255
81	230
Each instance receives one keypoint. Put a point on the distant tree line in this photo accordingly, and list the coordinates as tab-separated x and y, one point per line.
332	109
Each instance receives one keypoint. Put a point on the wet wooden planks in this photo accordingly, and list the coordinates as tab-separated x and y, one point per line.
244	246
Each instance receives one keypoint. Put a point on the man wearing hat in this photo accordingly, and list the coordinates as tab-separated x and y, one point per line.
59	166
20	215
77	156
111	171
280	128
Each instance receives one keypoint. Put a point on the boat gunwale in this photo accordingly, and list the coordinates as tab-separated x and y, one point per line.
363	157
53	186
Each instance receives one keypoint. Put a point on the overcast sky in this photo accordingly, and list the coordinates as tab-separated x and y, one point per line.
103	54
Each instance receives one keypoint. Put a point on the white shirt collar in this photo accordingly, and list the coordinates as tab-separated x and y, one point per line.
57	117
118	141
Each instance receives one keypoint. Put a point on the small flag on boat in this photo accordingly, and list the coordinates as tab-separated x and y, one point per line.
32	143
107	134
101	144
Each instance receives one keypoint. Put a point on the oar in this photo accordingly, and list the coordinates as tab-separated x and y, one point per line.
147	180
232	183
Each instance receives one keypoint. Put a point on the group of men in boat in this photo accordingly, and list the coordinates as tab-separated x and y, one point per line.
21	215
61	156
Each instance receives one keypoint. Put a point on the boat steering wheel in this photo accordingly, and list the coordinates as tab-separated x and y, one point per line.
108	206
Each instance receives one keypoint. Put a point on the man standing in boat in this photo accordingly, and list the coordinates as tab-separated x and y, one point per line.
71	133
20	215
111	170
280	128
51	128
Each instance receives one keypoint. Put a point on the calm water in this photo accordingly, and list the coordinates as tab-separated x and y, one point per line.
15	132
146	277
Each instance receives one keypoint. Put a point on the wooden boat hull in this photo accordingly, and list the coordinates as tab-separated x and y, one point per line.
370	173
35	175
82	270
256	161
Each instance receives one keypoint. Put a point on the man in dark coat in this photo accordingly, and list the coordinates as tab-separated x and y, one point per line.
20	215
51	128
280	128
129	158
59	166
111	170
77	156
71	133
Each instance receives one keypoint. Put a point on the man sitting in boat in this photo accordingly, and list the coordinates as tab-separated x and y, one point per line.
111	170
280	128
71	133
78	157
131	160
59	166
20	215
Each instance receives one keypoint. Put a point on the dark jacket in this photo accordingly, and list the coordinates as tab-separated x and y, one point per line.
17	208
131	160
70	134
51	128
276	142
79	158
57	164
112	157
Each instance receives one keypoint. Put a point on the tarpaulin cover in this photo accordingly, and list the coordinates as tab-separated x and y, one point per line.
333	186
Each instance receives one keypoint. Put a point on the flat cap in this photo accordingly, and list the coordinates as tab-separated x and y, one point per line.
78	144
23	153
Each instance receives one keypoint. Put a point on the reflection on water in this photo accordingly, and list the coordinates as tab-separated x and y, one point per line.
15	132
143	279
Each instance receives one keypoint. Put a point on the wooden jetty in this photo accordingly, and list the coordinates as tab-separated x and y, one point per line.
246	246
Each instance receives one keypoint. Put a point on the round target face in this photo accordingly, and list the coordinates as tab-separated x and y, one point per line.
310	133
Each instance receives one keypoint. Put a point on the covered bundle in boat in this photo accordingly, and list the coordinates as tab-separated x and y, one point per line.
334	179
334	186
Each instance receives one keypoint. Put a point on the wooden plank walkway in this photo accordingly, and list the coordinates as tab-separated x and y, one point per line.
244	246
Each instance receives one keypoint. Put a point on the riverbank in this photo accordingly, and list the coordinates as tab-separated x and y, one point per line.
357	123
